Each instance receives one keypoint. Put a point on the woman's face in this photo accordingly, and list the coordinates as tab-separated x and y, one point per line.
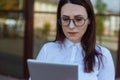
74	29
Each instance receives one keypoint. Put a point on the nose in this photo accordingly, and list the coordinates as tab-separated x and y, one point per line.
71	25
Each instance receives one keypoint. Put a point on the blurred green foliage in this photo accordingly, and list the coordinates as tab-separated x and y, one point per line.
100	7
45	30
43	33
9	4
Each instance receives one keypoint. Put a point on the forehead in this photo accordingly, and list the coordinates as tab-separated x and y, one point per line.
73	9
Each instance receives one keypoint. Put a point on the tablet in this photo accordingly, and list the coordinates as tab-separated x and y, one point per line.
52	71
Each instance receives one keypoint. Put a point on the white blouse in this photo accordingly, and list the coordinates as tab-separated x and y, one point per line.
70	52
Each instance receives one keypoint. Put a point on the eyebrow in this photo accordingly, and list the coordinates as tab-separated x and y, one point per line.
74	16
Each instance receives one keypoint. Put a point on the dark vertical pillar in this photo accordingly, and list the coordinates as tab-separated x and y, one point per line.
28	37
118	58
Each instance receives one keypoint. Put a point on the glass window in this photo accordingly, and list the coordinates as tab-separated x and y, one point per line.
11	43
44	29
45	6
44	23
107	33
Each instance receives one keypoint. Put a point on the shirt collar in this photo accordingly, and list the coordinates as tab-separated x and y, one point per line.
68	44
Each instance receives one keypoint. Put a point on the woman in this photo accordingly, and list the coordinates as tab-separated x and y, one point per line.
76	42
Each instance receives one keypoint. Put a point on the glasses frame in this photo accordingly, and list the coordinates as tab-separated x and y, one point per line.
60	22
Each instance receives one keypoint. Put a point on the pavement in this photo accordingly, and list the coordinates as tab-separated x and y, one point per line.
11	78
8	78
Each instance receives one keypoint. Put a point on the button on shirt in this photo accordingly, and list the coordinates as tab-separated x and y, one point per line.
73	53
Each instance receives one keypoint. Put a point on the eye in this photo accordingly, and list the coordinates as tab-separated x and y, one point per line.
78	19
65	18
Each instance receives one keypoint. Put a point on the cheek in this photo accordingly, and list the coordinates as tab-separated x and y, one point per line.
83	30
64	29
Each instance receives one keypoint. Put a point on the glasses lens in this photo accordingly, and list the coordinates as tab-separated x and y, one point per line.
65	21
79	21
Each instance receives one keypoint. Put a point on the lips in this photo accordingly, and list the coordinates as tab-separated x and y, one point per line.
72	33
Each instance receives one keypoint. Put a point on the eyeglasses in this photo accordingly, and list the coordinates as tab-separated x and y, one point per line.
78	21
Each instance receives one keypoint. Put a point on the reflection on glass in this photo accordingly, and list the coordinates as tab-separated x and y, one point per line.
11	5
107	33
11	44
45	5
44	29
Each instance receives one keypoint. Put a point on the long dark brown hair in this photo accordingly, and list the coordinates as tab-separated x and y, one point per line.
88	40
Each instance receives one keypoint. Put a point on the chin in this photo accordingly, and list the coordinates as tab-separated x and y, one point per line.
74	40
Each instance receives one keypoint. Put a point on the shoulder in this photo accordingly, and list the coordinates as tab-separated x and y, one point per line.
48	47
51	45
104	51
107	64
